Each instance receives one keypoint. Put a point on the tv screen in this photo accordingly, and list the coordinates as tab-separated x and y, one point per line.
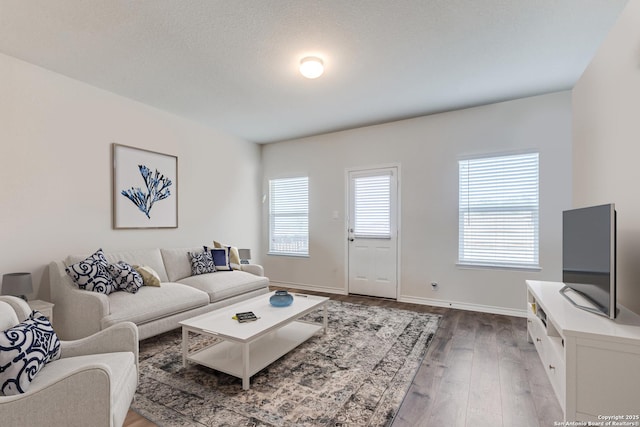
589	257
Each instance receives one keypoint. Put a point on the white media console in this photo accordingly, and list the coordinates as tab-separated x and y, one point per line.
593	363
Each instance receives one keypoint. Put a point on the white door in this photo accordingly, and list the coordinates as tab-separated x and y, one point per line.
372	232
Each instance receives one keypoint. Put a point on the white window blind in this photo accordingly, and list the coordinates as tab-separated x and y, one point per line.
372	206
498	211
289	216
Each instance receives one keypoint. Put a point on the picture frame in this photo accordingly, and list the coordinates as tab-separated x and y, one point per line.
144	188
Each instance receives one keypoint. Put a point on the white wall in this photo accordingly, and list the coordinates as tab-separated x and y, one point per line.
428	149
606	142
55	145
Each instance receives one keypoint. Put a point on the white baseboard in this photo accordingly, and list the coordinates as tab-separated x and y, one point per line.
464	306
413	300
304	287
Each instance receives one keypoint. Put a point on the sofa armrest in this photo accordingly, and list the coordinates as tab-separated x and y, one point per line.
19	305
86	390
256	269
119	337
77	313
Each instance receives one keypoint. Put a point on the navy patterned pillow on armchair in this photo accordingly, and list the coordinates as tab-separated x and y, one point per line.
24	350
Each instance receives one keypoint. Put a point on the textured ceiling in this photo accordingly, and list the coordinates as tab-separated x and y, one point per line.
232	64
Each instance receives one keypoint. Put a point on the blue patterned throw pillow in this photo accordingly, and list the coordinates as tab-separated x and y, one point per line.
125	277
92	274
201	263
24	350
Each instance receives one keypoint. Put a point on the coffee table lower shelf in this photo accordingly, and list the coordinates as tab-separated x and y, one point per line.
244	360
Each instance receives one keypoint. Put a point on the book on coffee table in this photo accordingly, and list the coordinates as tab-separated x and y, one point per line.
246	316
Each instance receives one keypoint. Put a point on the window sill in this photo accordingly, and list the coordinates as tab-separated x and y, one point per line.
288	255
471	266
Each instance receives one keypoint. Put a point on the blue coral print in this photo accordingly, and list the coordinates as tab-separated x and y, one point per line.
157	189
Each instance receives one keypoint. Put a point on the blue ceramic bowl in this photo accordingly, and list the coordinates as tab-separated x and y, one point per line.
281	299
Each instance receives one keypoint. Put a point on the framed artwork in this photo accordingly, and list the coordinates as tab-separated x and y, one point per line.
145	188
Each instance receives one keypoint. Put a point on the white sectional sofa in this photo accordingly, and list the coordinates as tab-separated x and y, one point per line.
80	313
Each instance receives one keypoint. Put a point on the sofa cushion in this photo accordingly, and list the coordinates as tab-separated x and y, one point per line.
150	257
24	350
152	303
224	284
178	262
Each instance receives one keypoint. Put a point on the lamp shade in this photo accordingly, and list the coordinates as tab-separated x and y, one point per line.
18	284
244	253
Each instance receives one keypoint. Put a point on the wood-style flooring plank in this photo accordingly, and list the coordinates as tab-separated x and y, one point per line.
484	408
133	419
479	371
418	403
450	405
517	404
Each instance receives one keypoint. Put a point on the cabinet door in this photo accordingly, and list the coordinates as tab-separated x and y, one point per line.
555	367
606	382
537	333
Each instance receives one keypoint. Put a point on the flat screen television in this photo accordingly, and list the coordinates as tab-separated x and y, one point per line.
589	258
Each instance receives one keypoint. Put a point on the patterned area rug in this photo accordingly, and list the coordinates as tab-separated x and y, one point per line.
356	375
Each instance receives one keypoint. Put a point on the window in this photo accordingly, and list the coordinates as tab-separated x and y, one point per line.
289	216
498	211
372	206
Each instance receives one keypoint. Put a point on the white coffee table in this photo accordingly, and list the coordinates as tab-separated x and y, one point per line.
246	348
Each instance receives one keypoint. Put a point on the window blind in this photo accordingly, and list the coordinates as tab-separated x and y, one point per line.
372	206
289	216
498	211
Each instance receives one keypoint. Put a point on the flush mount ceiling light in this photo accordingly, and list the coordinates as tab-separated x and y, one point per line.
311	67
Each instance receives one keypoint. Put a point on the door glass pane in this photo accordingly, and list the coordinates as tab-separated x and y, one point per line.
372	206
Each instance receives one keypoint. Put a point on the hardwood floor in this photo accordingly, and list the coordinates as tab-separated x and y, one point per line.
479	371
133	419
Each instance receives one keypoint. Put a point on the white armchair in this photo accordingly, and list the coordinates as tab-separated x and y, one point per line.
92	384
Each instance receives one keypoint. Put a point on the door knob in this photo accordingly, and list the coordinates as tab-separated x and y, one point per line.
351	239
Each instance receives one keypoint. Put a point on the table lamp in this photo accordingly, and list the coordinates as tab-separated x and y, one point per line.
17	284
245	255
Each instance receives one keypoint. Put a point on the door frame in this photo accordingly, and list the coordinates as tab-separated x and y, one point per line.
345	239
